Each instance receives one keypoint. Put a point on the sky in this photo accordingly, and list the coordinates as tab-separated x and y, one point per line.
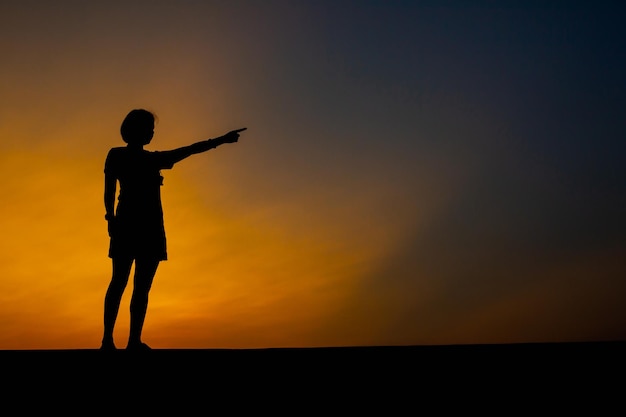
412	173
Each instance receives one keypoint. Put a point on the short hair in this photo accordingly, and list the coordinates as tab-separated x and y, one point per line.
136	125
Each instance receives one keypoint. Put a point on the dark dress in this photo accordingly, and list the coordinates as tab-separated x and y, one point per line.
138	230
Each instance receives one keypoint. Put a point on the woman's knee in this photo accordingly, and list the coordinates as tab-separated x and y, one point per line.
145	269
118	285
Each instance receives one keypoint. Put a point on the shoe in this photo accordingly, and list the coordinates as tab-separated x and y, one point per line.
108	346
138	347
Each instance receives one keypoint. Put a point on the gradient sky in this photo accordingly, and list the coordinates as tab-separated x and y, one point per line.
414	172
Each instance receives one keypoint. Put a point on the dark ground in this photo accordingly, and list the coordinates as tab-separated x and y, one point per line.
549	378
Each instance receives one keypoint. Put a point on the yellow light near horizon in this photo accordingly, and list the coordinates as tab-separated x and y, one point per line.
224	273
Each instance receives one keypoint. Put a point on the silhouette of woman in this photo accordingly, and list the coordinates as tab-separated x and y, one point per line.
135	227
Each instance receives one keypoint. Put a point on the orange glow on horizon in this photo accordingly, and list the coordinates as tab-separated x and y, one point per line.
240	277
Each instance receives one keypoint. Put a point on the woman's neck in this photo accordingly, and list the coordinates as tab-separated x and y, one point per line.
135	146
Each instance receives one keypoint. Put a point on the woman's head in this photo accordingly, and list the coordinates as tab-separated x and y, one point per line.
138	127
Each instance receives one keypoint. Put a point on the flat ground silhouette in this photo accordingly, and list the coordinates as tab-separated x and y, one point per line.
296	381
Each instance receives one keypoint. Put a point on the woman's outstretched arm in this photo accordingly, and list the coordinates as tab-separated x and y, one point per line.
177	155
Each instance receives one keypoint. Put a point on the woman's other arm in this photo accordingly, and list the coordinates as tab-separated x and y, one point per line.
110	184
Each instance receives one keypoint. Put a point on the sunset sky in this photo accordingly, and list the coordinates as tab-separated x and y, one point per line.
413	172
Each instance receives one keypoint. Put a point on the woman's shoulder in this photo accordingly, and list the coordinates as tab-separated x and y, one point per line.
114	158
117	150
124	152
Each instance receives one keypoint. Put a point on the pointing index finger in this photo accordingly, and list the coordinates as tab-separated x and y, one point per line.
240	130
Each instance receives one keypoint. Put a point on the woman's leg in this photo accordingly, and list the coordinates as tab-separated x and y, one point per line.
121	271
145	269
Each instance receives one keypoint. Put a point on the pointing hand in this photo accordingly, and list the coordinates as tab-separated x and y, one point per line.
233	135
